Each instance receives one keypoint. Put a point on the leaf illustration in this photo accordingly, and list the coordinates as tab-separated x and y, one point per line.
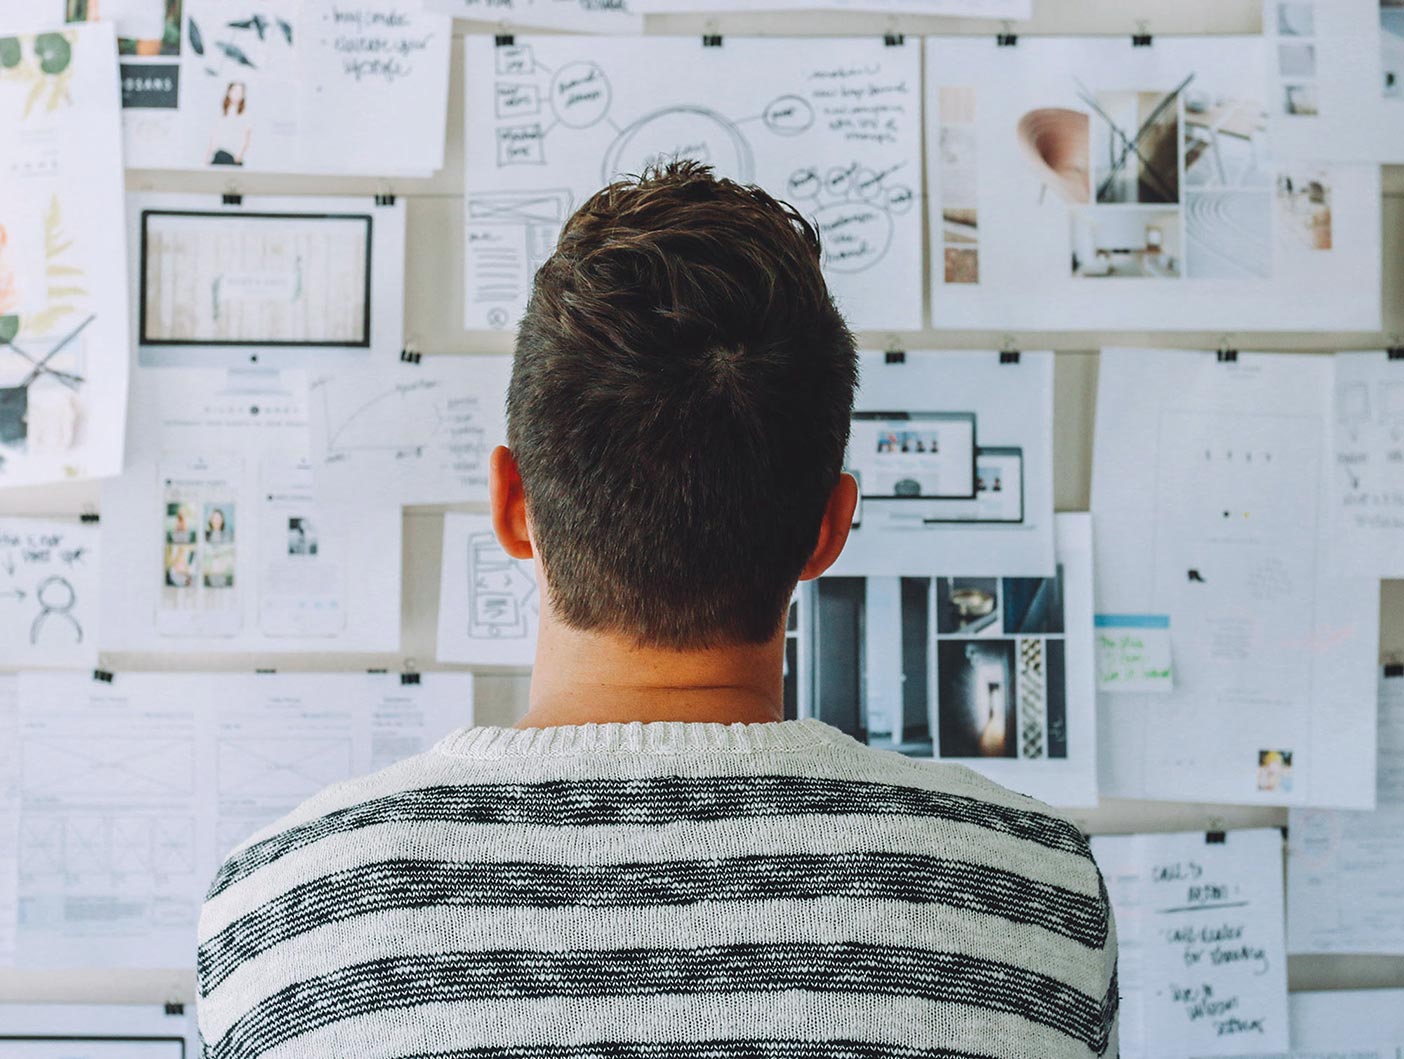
55	271
197	41
43	322
236	54
9	327
67	292
287	30
33	97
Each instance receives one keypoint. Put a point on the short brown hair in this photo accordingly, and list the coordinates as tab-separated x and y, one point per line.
679	409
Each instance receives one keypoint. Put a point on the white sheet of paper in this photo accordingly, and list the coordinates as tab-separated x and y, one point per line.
1336	79
925	507
1348	1024
408	433
489	606
1345	870
988	672
1209	502
97	1031
9	816
1202	966
1133	653
580	16
63	265
326	86
1044	217
133	792
48	592
1367	480
1011	9
549	120
213	540
272	281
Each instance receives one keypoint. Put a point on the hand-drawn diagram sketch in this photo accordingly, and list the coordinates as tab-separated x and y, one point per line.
1089	183
830	125
409	433
273	282
280	766
580	16
1367	481
48	592
1337	79
63	305
1210	496
489	603
995	672
1011	9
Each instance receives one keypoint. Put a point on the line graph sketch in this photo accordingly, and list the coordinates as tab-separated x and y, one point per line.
834	126
116	767
275	767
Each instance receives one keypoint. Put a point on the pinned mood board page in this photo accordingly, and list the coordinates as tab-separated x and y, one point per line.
273	282
967	8
98	1031
1353	1023
63	270
1202	965
1345	869
1210	504
580	16
1086	184
134	791
213	539
49	592
832	125
995	673
1367	481
489	604
408	433
953	452
1336	79
321	86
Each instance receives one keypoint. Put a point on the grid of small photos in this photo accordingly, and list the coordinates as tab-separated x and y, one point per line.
1296	57
960	221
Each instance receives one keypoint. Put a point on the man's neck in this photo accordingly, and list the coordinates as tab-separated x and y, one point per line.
584	678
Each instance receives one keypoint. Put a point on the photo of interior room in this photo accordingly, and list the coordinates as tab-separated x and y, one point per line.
1126	242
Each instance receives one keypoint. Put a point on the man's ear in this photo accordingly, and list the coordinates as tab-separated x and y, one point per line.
509	516
833	531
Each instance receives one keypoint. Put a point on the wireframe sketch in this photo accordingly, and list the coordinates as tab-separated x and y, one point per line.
833	130
502	595
110	767
290	768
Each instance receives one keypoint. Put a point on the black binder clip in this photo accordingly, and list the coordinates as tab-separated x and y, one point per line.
1226	356
1009	356
88	518
504	40
410	356
385	200
1395	353
102	676
711	40
1394	670
229	198
1006	38
408	678
894	355
1142	37
1215	838
894	40
174	1008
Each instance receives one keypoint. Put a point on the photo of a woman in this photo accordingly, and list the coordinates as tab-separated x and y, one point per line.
230	140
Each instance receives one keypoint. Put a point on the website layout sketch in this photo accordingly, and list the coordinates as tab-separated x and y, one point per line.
1087	183
489	603
275	282
832	125
98	1031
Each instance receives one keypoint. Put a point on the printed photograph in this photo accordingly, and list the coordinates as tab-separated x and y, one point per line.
1055	143
1135	144
1300	101
144	27
976	698
1275	770
181	567
302	538
1132	243
967	606
219	523
1228	235
1225	140
1033	604
962	265
1296	60
1304	209
960	225
182	522
1296	18
1392	47
219	566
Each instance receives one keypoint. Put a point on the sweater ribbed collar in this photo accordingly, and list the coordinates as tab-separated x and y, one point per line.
660	738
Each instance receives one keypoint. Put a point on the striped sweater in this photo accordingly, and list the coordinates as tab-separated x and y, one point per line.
660	891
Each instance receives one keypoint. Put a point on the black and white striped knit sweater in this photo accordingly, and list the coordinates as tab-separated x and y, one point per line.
661	891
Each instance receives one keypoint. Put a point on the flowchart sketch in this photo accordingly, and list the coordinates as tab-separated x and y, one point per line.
49	588
1087	183
578	16
489	603
830	125
409	433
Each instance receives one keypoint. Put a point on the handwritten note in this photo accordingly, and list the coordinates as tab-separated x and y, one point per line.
1367	486
48	592
1203	966
1133	652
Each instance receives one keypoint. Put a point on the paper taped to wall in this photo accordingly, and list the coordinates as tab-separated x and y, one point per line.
49	599
489	604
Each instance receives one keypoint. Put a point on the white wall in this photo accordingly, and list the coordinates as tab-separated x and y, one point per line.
434	283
